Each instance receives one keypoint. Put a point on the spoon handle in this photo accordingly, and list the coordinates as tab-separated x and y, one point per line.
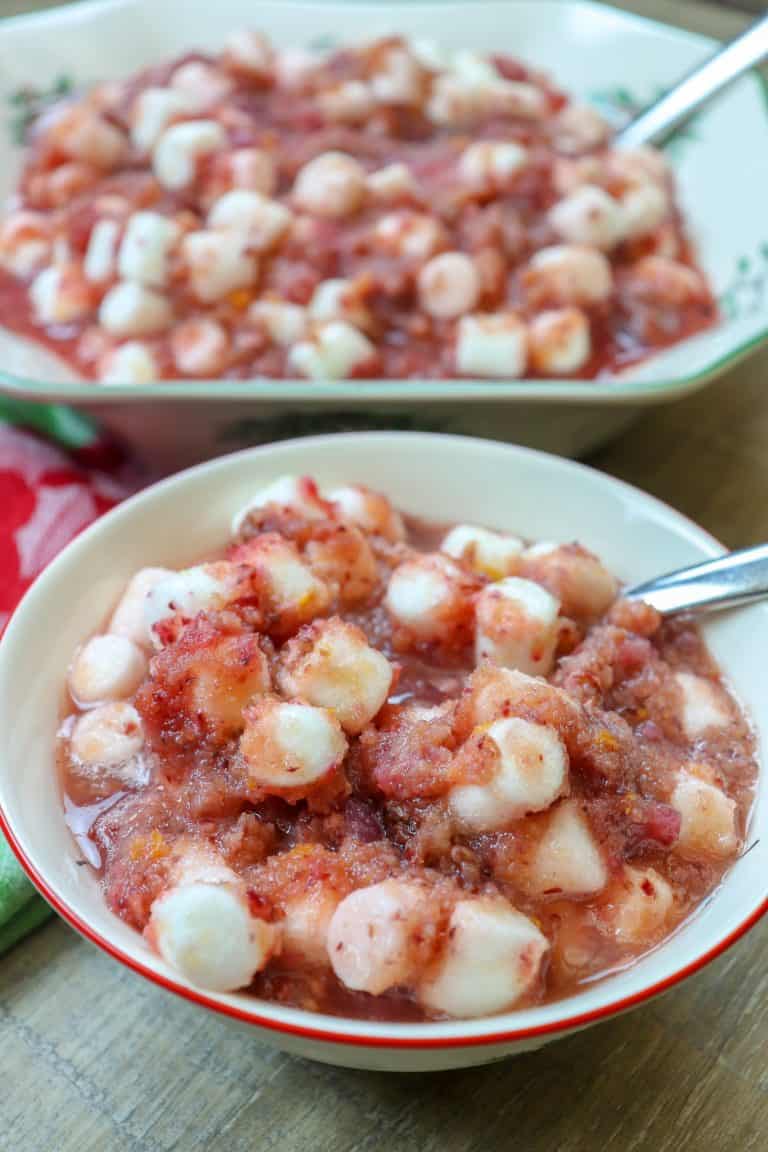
737	578
657	122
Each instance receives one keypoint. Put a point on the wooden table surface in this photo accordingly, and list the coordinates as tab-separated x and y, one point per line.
94	1059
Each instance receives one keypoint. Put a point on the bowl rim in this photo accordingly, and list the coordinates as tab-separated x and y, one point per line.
358	393
329	1029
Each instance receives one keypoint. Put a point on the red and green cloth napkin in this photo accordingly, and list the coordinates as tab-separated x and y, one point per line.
57	475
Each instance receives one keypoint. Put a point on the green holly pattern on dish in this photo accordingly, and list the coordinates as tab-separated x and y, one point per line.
28	102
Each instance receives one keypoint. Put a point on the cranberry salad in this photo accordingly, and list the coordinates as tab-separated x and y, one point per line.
391	210
388	769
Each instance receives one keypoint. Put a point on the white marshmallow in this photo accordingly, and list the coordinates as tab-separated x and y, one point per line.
100	255
336	300
128	618
704	707
645	208
531	772
250	52
339	671
579	128
207	933
424	594
433	54
492	554
589	216
286	492
492	957
58	296
640	903
25	242
493	344
201	85
335	352
567	860
569	274
414	235
708	828
585	586
560	341
333	185
109	735
448	285
398	79
290	745
517	626
350	102
285	323
263	221
371	937
179	147
153	111
252	169
129	363
200	347
474	68
289	582
492	162
185	593
460	100
147	244
371	511
131	309
218	263
81	134
664	282
393	182
305	926
106	668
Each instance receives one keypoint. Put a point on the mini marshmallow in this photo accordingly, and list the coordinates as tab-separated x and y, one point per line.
433	54
398	79
425	594
448	285
290	585
207	933
334	667
473	68
530	772
252	169
560	341
414	235
517	626
152	112
290	745
492	957
200	84
459	100
81	134
109	735
60	295
285	492
393	182
350	102
338	300
589	216
284	322
250	52
263	221
305	925
179	147
333	185
129	363
568	274
708	828
640	903
492	554
704	707
147	244
25	242
372	937
218	263
101	253
493	344
106	668
567	860
200	347
664	282
579	128
582	583
183	594
131	309
335	352
489	163
645	208
371	511
128	618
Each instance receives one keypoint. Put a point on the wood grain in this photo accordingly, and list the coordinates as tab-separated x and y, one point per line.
93	1059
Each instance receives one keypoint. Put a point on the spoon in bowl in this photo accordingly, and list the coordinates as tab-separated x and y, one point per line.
657	122
738	578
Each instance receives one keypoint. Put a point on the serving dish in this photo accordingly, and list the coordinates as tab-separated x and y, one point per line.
637	536
581	45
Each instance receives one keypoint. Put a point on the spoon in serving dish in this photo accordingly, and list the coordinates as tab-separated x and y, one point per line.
657	122
739	578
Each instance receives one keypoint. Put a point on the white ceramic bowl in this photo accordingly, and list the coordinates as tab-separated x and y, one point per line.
446	478
618	61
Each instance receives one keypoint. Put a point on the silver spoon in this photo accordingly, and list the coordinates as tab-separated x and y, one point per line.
738	578
659	121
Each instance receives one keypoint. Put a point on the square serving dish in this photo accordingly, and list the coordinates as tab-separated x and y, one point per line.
618	61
